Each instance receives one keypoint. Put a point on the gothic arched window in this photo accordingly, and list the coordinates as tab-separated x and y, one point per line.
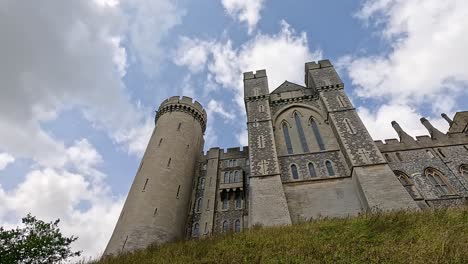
236	176
300	131
294	172
329	166
226	177
312	172
438	180
287	139
196	230
225	226
316	131
199	204
407	182
464	170
237	226
231	176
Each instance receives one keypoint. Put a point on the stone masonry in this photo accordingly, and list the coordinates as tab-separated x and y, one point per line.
309	156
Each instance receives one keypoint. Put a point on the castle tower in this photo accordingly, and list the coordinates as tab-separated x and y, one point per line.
158	202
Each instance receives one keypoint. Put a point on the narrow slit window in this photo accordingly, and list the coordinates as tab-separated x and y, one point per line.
341	101
160	142
261	142
125	242
206	227
429	154
312	172
144	186
294	172
208	205
196	229
199	204
389	159
224	200
399	156
441	153
261	108
349	127
330	170
178	127
316	131
287	139
169	162
155	211
300	131
178	191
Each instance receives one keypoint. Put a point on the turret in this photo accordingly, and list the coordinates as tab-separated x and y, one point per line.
434	132
404	137
158	202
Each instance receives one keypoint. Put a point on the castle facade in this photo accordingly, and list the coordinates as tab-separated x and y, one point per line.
309	156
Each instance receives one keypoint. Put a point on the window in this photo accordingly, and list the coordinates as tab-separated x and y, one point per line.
144	186
199	204
464	170
398	155
206	228
311	170
407	182
208	205
261	142
349	127
178	191
160	141
231	176
178	127
255	123
237	226
169	162
226	177
230	163
247	162
196	229
261	108
201	183
438	180
316	131
225	200
287	139
294	172
238	200
300	131
236	176
329	166
388	158
441	153
225	226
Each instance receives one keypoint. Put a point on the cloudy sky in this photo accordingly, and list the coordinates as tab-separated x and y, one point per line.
80	81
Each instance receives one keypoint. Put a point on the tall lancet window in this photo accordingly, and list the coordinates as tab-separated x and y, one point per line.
329	166
316	130
300	131
287	139
294	172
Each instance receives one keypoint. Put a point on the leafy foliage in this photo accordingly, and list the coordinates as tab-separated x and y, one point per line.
36	242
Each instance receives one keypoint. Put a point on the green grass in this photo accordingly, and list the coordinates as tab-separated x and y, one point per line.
439	236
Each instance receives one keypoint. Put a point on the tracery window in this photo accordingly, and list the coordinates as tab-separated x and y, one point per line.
312	172
439	181
300	131
287	139
237	226
330	170
317	135
231	176
294	172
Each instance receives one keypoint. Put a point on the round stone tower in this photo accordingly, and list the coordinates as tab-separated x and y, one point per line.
158	202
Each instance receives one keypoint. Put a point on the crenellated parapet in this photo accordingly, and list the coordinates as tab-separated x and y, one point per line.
183	104
435	139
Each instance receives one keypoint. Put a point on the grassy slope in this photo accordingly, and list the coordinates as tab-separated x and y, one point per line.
398	237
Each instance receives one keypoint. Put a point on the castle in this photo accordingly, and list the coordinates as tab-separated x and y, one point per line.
309	155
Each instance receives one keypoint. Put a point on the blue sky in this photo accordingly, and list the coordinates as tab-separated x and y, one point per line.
81	81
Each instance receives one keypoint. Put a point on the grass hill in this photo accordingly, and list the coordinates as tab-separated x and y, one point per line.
439	236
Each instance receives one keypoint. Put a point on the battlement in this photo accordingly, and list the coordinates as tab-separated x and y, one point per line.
436	138
183	104
256	75
235	152
317	65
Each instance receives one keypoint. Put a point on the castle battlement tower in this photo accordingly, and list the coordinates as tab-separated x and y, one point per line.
158	202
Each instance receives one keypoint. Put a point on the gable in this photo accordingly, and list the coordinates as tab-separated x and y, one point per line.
288	87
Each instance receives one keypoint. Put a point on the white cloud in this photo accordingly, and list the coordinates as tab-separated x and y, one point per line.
247	11
81	200
215	107
426	64
283	56
5	160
